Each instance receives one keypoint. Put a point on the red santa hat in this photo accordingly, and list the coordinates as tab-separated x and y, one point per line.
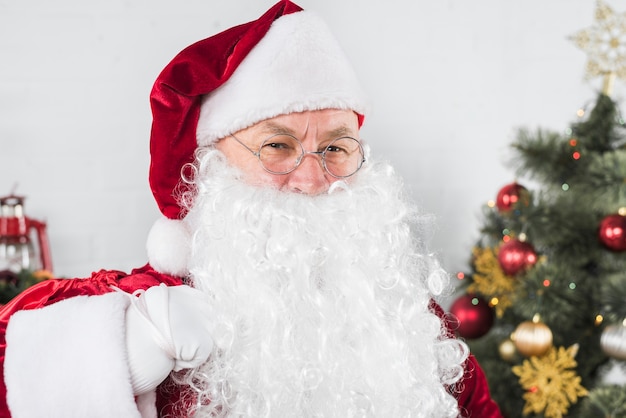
286	61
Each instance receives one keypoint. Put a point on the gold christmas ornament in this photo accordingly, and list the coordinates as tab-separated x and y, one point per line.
507	350
490	281
605	45
613	341
551	382
532	338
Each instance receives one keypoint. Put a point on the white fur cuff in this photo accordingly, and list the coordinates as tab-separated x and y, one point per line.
69	360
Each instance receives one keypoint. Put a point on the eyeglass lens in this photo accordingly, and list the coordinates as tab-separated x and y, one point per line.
281	154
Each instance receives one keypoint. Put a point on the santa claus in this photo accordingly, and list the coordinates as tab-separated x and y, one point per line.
287	277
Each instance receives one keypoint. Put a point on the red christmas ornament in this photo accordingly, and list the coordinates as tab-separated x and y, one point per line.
612	232
511	195
475	317
516	256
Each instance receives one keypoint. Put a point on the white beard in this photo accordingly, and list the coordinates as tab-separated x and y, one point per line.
322	301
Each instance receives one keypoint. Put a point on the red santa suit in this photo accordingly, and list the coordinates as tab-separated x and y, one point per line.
70	356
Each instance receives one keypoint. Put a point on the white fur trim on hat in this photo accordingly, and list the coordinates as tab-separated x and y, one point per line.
168	246
297	66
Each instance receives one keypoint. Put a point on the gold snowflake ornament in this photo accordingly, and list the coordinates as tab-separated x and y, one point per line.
605	45
491	281
552	385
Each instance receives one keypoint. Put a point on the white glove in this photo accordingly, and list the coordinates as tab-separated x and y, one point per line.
167	328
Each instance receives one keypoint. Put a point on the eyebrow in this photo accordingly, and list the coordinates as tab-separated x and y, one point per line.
339	132
274	128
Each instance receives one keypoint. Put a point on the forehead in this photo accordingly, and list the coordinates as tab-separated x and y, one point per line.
321	122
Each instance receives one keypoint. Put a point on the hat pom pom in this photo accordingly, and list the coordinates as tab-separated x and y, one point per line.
168	246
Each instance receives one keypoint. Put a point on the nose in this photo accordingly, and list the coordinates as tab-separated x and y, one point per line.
309	177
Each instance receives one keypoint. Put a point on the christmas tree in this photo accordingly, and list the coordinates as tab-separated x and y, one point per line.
543	306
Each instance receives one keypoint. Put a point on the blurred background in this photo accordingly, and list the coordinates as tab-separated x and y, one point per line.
450	81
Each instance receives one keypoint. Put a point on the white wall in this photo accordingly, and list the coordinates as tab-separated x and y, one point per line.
449	80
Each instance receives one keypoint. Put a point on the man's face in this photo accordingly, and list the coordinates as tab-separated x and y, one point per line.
314	129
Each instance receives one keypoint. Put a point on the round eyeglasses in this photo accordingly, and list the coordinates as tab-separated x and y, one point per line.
283	153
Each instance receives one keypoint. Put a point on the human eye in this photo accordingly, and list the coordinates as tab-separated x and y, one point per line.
342	146
335	147
280	143
275	145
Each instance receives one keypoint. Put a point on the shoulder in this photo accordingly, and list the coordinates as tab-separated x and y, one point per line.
103	281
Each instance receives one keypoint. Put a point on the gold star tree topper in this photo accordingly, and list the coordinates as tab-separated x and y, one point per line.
605	45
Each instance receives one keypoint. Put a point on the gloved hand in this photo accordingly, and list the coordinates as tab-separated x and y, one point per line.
167	328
